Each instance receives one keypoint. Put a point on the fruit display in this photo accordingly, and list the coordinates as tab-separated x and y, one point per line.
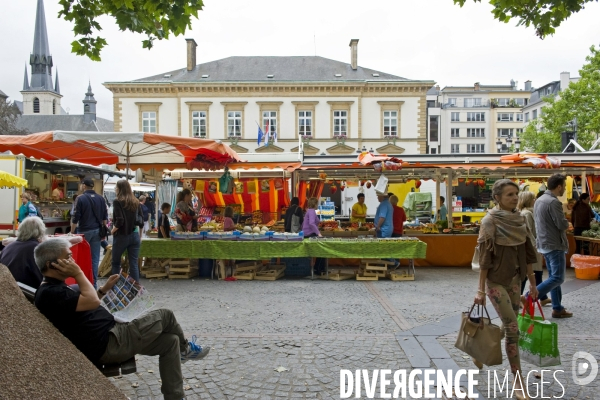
209	226
430	228
593	232
328	225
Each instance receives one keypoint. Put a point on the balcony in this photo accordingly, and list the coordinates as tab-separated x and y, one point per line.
483	104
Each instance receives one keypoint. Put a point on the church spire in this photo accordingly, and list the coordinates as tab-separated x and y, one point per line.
25	80
40	58
56	86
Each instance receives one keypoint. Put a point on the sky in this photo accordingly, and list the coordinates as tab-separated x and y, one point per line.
416	39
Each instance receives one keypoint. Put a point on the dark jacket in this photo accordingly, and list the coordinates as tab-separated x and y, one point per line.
550	223
84	216
291	211
18	257
125	220
582	216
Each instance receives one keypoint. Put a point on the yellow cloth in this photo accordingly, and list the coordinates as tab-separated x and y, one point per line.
359	209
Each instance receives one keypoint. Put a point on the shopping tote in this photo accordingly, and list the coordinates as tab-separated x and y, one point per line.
538	337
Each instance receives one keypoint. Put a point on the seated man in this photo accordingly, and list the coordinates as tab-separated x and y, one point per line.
78	315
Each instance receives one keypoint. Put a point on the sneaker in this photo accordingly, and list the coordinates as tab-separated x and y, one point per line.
546	301
562	314
194	351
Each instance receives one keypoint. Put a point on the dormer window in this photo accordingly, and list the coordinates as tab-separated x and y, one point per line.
167	75
269	76
204	76
338	75
376	75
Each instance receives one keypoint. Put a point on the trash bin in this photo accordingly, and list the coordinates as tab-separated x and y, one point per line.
586	267
205	267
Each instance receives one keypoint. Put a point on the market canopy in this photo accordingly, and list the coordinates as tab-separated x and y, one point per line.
129	149
10	181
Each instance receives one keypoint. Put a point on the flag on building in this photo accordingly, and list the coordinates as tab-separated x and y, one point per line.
260	136
267	133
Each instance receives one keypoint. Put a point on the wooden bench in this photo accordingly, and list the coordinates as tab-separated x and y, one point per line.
108	370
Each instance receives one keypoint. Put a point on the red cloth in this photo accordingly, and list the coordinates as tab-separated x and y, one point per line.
399	219
83	257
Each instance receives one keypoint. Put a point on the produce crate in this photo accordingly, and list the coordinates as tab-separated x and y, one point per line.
105	267
401	276
341	276
246	270
270	273
155	267
183	268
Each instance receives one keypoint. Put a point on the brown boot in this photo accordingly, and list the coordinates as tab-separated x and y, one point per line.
562	314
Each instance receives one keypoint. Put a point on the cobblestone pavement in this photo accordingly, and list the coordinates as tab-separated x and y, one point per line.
315	328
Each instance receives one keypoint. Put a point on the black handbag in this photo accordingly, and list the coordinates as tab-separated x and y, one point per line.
103	230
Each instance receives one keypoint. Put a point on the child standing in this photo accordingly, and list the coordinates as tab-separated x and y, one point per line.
164	226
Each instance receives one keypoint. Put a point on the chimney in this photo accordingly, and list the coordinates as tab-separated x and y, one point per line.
528	86
191	54
354	53
437	87
513	84
476	86
565	79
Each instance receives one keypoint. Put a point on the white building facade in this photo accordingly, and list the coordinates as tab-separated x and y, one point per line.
478	118
333	107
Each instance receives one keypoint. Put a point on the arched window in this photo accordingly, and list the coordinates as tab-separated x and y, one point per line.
86	108
36	105
53	106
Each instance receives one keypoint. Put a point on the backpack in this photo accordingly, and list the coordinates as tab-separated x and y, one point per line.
37	210
295	228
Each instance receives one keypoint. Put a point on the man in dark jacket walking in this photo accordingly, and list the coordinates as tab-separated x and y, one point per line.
90	212
551	226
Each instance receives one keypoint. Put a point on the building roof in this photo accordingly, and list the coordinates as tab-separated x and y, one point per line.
43	123
549	89
3	95
282	69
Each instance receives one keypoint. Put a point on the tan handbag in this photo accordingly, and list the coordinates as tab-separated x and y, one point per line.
479	338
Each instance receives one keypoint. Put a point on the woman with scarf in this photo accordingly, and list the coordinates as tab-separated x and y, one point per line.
506	255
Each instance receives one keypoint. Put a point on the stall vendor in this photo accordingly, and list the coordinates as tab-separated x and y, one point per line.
359	209
442	213
58	192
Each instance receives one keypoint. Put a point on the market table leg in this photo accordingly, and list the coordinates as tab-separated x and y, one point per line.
327	268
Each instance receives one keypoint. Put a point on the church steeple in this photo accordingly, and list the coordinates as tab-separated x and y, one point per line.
25	80
40	58
89	105
56	85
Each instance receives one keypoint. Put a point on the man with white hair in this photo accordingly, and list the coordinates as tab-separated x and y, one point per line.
78	315
18	255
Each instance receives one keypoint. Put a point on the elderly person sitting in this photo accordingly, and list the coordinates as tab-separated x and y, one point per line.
18	255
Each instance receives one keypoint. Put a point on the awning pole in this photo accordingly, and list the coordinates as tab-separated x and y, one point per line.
127	162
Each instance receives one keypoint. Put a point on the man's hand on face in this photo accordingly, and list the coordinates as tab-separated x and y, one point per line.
67	266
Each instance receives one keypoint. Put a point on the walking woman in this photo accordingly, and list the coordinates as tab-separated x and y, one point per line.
310	228
525	207
581	217
506	255
126	226
184	211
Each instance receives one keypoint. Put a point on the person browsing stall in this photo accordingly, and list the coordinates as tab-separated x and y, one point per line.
442	213
79	316
399	217
384	216
359	209
581	218
310	228
164	226
292	225
506	256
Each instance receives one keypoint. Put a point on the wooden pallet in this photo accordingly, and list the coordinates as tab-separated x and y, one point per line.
372	268
366	278
247	270
339	276
244	276
270	273
155	267
401	276
187	275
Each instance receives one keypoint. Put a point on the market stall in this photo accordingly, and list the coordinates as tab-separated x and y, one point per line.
465	182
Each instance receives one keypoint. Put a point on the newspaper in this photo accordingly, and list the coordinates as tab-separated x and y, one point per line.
127	300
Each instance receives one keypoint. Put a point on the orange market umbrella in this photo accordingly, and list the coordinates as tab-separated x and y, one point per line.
140	149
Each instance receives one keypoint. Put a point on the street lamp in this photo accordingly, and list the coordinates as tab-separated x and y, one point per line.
509	143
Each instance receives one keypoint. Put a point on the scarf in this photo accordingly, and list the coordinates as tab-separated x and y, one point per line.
505	228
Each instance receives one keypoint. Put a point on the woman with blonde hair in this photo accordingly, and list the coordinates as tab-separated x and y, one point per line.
506	255
525	206
127	221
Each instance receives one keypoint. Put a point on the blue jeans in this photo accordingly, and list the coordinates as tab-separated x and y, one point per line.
556	262
93	238
131	243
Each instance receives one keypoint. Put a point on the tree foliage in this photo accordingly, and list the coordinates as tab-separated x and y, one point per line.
155	18
544	15
578	105
9	113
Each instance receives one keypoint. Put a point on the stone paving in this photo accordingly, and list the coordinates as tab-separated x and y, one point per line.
315	328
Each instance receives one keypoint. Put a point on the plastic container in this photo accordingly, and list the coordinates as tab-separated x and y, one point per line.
205	266
586	267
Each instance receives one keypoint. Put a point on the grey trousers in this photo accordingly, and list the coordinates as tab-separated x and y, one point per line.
154	334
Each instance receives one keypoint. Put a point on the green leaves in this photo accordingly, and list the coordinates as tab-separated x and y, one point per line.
579	103
156	18
543	15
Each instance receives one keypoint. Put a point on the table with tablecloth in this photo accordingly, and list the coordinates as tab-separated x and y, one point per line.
264	250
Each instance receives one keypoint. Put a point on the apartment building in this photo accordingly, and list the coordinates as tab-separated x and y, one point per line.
477	119
537	101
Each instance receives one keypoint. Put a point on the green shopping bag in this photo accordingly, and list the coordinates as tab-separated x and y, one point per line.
538	338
